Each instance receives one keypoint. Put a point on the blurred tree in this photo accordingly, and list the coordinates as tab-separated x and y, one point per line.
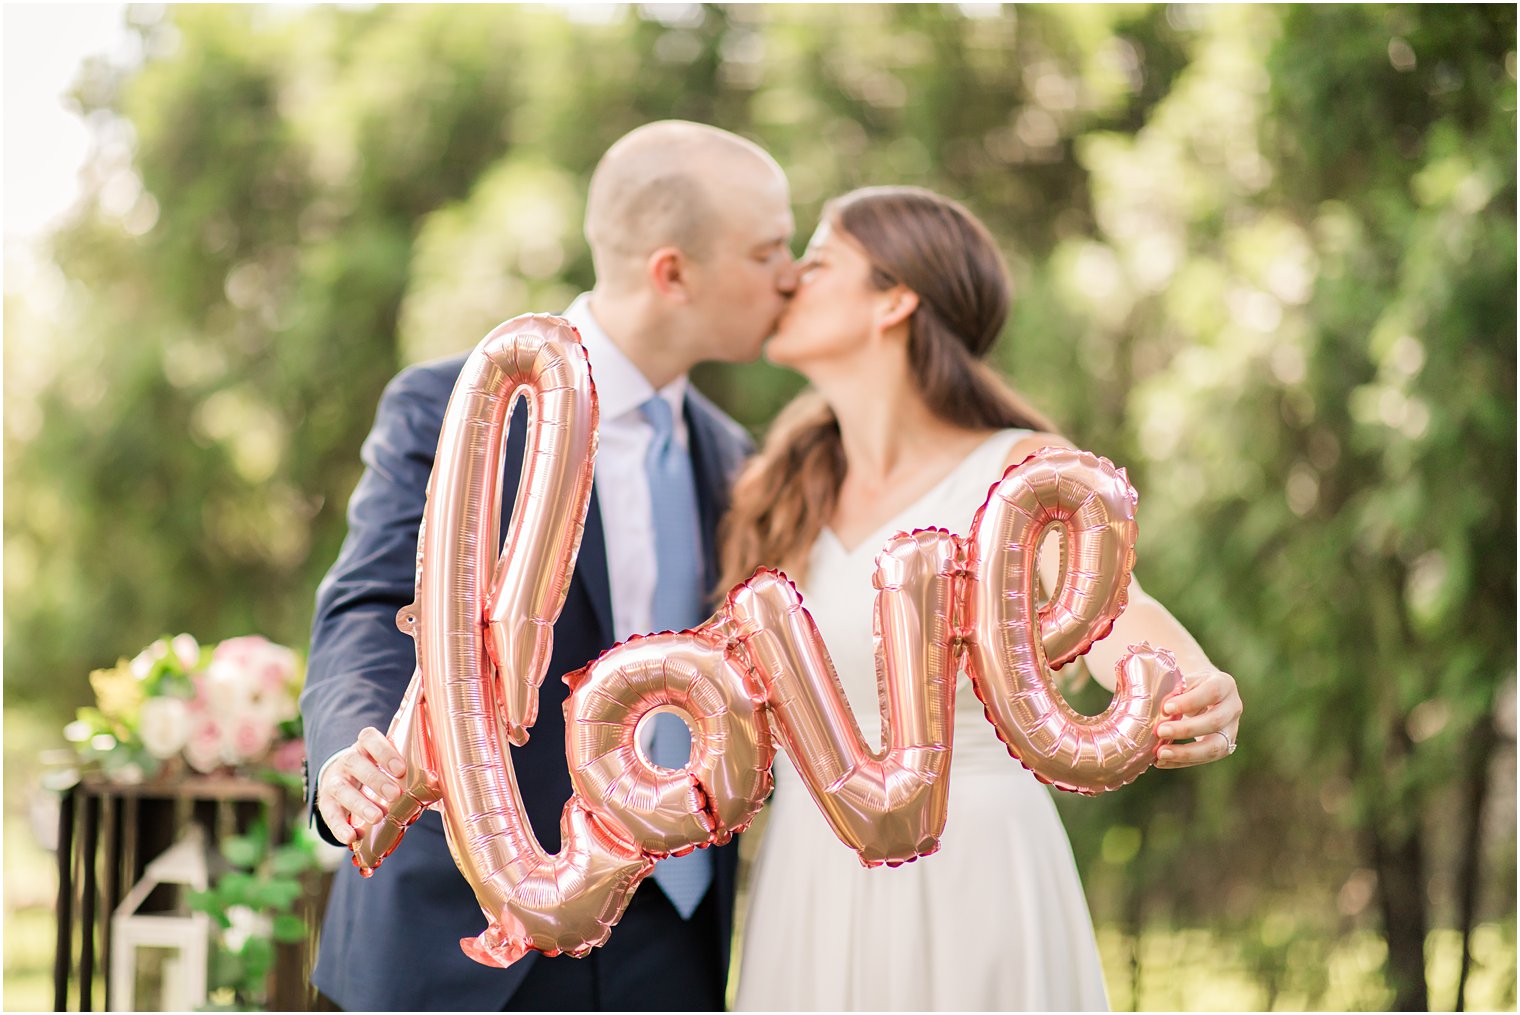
1264	256
1314	236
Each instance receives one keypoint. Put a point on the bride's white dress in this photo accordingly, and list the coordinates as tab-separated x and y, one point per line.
996	920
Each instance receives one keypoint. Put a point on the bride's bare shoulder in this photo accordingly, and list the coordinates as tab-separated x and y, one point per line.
1027	446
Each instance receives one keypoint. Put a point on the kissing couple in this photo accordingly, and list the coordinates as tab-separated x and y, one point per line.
890	316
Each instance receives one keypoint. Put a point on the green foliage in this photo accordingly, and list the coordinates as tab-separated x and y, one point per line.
254	904
1326	439
1263	256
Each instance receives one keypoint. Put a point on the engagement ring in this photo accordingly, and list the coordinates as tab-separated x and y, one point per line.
1229	747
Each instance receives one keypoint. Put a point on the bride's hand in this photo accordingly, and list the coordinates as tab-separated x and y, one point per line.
1208	711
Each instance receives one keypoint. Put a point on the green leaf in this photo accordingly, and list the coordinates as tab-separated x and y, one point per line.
200	901
292	860
243	851
211	902
237	887
277	893
227	969
289	929
258	958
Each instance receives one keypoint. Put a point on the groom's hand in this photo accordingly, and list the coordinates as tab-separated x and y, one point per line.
354	779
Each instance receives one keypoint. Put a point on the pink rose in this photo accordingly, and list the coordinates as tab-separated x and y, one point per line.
272	666
204	750
246	739
273	676
288	756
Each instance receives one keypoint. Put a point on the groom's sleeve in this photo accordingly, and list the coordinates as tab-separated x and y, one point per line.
360	662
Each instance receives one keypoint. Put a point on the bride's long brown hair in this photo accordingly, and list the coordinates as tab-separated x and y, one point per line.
938	249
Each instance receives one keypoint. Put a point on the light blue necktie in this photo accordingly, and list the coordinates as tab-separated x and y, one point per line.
677	606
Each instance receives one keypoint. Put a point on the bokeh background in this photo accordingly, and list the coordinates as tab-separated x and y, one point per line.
1264	257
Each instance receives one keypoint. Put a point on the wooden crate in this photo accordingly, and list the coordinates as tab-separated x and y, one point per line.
108	832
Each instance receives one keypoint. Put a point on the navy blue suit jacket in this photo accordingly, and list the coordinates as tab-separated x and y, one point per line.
391	942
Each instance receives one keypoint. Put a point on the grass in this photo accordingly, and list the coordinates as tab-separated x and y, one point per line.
1198	970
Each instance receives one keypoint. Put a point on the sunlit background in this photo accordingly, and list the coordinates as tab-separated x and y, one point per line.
1264	257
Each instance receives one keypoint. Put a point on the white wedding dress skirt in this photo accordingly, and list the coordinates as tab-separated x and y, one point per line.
996	920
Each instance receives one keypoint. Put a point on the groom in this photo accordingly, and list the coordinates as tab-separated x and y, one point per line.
689	229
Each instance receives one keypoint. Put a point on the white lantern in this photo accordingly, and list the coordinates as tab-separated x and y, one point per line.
158	960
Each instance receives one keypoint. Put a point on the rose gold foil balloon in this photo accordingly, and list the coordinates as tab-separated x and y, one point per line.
1011	636
889	804
668	812
409	733
477	700
540	357
483	624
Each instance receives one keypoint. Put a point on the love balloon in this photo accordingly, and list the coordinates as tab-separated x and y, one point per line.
483	625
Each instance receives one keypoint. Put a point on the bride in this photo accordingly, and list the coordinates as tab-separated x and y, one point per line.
902	294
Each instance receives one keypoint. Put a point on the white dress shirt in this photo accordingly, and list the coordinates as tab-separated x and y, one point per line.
622	485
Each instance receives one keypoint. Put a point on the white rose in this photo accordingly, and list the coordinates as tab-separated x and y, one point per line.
186	650
142	663
228	690
245	924
164	726
246	738
262	661
276	706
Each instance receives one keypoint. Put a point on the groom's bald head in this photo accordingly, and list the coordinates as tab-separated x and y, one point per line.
664	185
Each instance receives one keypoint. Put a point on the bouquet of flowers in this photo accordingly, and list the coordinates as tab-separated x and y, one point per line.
231	707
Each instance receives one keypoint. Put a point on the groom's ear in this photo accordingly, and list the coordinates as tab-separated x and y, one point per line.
667	272
896	306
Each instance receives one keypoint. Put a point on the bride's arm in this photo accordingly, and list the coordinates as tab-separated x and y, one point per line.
1209	709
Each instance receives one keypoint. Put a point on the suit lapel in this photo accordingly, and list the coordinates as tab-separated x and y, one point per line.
591	563
591	568
712	489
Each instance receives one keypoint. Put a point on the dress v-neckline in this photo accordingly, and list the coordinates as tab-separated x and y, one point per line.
873	538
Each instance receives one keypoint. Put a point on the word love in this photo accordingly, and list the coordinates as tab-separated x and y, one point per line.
483	625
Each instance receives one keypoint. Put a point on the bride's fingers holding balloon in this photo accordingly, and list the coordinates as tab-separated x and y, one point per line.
1195	693
1201	691
1208	747
1208	713
1216	718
